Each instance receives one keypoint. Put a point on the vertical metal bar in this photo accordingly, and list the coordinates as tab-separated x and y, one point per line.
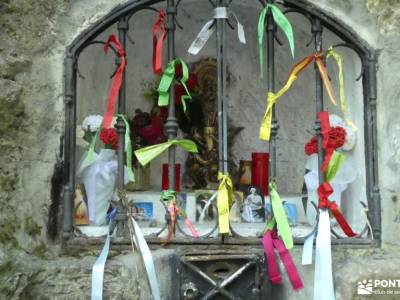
224	98
271	27
171	126
69	157
122	30
319	96
121	216
220	23
371	142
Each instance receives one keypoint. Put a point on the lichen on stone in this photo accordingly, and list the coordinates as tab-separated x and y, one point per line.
31	227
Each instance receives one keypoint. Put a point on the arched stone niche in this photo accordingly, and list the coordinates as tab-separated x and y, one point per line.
246	91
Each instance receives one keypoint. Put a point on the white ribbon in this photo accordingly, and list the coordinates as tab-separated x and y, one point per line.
306	258
205	209
147	258
207	30
98	271
323	280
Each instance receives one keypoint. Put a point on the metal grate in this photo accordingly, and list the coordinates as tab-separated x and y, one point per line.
318	22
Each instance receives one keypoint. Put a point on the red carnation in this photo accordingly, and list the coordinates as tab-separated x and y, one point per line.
337	137
109	137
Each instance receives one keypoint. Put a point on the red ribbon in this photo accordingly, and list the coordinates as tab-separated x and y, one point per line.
324	191
116	83
271	241
329	149
159	34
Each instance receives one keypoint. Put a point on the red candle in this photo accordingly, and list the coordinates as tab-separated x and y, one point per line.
259	171
165	181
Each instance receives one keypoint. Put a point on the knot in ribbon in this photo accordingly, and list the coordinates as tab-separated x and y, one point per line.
265	128
117	81
209	28
128	149
224	200
324	191
168	195
173	210
166	82
159	34
282	22
271	242
147	154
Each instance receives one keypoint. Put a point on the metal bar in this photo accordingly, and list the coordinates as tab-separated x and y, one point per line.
270	29
224	98
374	199
236	274
121	217
122	30
69	162
171	126
220	94
319	96
198	271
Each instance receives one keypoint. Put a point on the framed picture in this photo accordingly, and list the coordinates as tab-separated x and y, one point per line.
144	211
253	208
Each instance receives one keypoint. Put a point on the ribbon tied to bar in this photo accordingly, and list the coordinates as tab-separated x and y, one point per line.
224	200
174	210
265	129
147	154
339	61
159	34
128	149
209	28
280	216
282	22
272	242
167	80
117	81
323	279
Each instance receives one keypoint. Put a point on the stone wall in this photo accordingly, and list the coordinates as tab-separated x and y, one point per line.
34	37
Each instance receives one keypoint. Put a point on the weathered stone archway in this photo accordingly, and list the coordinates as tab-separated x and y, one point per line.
34	43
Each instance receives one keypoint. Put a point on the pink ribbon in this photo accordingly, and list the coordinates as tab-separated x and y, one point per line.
271	241
190	226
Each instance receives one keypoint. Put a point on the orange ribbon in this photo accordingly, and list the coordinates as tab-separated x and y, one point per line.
265	129
159	34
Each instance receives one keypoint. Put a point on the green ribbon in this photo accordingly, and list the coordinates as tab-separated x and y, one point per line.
167	79
128	149
90	155
280	216
282	22
168	195
334	165
146	155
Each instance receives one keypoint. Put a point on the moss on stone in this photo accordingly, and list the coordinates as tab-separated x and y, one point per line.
6	267
7	232
40	251
8	182
31	227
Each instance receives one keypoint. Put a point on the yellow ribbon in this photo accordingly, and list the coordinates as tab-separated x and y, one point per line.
265	129
224	200
339	60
